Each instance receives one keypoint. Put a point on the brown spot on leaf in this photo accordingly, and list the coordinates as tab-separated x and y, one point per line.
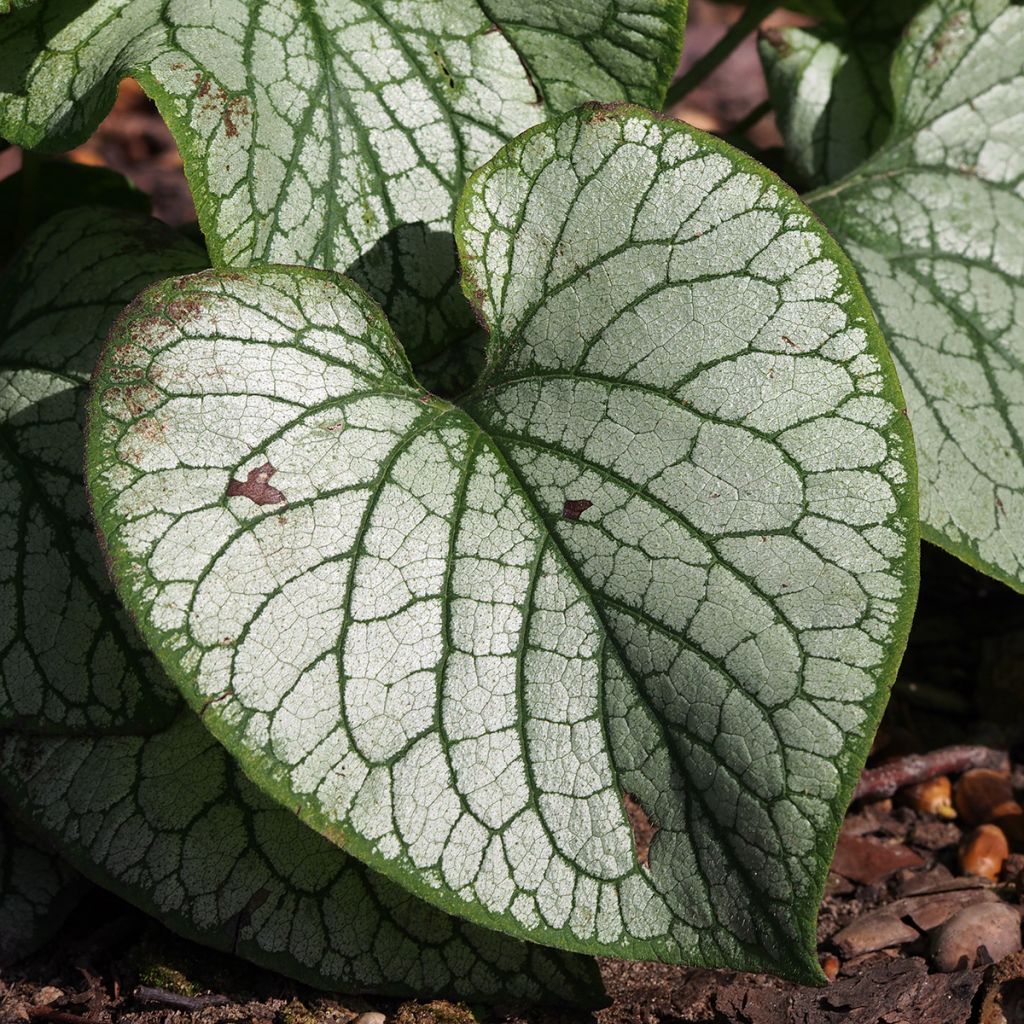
644	829
257	487
574	508
777	41
149	429
235	108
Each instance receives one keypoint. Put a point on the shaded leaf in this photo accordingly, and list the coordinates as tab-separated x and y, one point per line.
666	546
169	823
37	892
935	224
70	659
52	186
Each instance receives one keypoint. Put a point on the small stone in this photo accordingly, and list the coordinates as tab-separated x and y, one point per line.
976	935
373	1017
830	966
983	851
47	996
983	795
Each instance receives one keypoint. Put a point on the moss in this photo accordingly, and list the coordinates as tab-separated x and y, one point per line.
296	1013
159	965
438	1012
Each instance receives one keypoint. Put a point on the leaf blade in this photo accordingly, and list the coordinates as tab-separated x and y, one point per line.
316	136
70	660
417	707
930	221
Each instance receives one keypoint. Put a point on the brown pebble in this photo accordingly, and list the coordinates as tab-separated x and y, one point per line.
932	797
976	935
830	966
983	851
984	795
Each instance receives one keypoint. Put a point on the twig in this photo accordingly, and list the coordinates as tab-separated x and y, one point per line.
887	778
175	1001
748	21
744	125
48	1013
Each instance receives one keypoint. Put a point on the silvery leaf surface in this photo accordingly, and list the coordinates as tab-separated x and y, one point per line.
70	658
934	223
665	546
335	134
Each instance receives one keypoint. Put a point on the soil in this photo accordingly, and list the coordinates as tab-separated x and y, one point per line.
897	876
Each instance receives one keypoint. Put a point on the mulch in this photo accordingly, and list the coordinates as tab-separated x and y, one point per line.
904	898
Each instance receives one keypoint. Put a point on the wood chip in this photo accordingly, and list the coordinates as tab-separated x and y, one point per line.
868	861
877	930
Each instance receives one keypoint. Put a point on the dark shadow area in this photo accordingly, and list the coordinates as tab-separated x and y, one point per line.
412	271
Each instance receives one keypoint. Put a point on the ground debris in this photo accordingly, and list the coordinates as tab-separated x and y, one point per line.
887	991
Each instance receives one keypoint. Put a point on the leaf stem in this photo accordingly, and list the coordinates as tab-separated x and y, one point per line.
748	21
29	195
751	118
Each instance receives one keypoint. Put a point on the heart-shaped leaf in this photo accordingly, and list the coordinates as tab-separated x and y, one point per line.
166	820
666	547
37	892
935	224
171	824
336	136
69	657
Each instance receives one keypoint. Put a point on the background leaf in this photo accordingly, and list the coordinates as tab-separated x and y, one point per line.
168	822
666	547
37	892
325	136
830	90
70	659
935	222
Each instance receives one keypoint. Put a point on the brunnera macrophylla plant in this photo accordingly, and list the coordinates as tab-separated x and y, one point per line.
564	466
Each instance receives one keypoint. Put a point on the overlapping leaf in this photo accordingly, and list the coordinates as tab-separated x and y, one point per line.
169	822
666	546
52	186
935	224
69	657
37	892
830	87
334	135
166	819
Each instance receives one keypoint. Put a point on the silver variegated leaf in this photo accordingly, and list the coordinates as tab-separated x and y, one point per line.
935	224
335	133
166	819
665	547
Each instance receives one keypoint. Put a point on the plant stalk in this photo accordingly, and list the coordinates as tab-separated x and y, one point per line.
748	21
